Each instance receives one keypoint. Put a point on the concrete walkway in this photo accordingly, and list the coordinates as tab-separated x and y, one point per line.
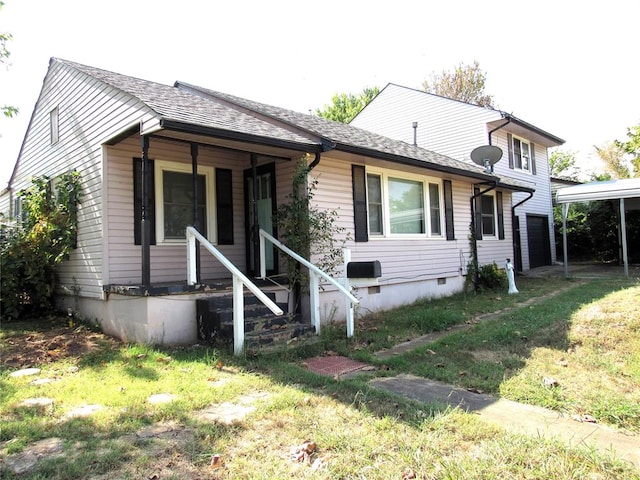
514	417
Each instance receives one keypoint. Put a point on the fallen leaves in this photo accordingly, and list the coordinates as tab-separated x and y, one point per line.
307	453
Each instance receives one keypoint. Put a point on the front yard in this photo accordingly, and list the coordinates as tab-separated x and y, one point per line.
110	410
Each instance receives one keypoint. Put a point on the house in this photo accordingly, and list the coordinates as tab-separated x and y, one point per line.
155	159
455	128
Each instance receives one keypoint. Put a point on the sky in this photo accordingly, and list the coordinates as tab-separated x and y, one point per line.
569	68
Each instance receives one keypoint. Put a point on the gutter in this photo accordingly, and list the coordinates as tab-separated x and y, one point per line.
241	137
499	127
326	146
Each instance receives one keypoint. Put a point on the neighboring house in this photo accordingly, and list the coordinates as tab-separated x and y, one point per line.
455	128
165	157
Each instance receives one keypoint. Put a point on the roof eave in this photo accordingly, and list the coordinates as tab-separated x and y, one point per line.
177	126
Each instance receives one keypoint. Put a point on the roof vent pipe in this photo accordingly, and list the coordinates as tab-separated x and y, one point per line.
415	134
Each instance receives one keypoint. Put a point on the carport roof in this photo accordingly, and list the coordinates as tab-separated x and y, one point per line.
606	190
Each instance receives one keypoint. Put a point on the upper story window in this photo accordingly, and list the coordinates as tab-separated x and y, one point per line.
522	154
54	126
403	206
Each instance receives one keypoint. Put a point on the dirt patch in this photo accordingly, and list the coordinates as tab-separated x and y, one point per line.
40	342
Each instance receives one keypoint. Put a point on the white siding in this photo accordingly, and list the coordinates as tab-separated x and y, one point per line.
454	129
410	260
89	113
168	262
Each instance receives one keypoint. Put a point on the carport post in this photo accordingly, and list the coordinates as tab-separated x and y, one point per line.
565	212
623	227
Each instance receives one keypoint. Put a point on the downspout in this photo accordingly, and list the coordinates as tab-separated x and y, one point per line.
499	127
473	229
315	161
516	254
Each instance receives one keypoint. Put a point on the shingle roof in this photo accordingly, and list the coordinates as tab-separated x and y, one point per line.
346	137
201	107
170	103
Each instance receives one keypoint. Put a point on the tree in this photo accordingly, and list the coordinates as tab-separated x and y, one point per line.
612	155
345	107
562	164
7	110
632	149
466	83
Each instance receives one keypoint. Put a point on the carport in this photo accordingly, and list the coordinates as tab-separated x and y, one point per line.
627	191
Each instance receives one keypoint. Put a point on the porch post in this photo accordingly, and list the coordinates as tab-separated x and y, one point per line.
145	225
194	170
565	212
255	237
623	227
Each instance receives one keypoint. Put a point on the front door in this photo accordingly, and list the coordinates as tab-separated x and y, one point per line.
260	194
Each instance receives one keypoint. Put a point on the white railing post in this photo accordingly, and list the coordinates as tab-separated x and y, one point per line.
263	258
240	280
191	259
314	300
349	306
238	315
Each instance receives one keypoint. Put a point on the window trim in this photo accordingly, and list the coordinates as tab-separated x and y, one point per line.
424	180
517	160
54	126
494	215
210	198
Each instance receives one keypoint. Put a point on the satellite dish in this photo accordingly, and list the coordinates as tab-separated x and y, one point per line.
486	156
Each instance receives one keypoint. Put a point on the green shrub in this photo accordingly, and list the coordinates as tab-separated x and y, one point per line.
31	251
490	277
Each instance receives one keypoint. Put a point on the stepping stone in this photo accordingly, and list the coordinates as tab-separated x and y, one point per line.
25	372
42	381
84	411
161	398
41	402
226	413
27	459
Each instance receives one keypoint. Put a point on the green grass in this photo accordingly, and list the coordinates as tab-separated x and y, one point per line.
586	338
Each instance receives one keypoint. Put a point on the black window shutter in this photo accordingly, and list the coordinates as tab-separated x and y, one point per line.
137	201
510	149
224	206
448	209
500	215
359	180
478	213
533	158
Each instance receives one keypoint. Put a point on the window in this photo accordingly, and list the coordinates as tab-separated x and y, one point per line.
54	133
403	206
374	202
174	201
488	215
521	154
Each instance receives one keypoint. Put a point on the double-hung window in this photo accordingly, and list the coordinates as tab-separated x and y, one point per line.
487	208
175	201
521	154
403	206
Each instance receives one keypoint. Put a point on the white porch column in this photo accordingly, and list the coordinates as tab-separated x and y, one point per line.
623	230
565	212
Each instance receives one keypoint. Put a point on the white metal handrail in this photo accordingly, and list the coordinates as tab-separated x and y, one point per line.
314	277
240	281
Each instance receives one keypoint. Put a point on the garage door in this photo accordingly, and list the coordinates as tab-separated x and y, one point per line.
539	244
